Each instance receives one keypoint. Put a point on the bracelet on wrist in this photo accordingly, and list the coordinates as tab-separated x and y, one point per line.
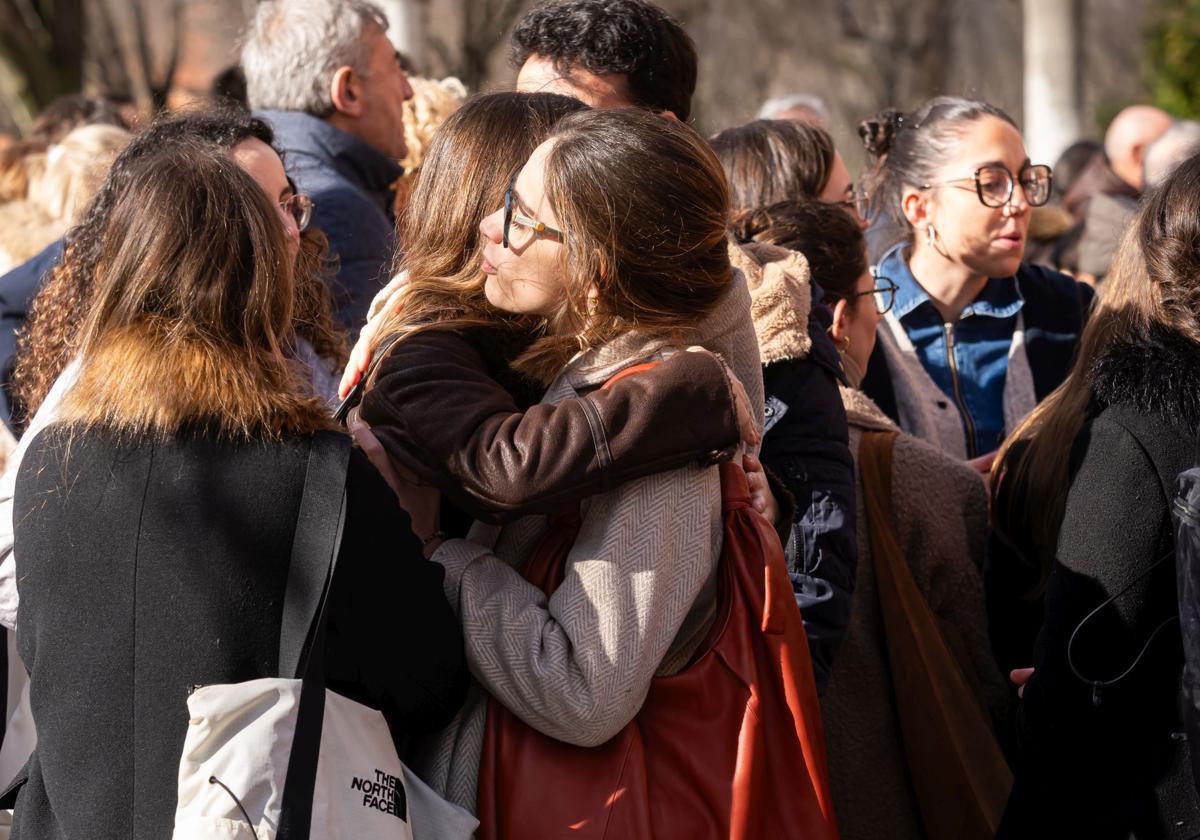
436	535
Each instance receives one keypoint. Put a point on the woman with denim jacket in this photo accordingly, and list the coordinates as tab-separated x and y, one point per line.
976	337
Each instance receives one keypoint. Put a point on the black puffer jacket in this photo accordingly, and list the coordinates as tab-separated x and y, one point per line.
1107	761
806	444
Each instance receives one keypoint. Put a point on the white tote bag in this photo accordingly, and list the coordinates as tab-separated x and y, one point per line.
286	758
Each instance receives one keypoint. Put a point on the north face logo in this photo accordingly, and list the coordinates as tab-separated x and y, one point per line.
383	793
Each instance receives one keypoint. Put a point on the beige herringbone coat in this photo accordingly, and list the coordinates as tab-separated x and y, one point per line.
637	597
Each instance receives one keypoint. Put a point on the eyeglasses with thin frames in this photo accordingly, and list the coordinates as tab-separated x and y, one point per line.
858	202
526	223
299	207
995	184
884	294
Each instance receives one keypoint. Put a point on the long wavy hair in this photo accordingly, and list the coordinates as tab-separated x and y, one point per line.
467	167
50	337
1154	285
192	309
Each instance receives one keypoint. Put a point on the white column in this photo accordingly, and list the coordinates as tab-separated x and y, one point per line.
406	26
1053	111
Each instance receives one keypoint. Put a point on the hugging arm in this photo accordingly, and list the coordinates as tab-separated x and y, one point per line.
436	410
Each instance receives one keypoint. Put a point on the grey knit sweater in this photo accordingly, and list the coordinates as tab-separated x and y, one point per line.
638	594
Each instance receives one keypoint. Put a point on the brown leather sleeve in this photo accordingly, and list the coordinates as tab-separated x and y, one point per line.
435	409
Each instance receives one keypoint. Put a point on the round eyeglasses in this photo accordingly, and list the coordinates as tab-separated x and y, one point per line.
299	207
884	294
995	184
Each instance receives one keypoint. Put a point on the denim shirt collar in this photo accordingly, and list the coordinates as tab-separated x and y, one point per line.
1000	298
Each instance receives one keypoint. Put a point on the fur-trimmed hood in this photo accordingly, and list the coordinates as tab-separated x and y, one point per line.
780	298
1158	374
148	380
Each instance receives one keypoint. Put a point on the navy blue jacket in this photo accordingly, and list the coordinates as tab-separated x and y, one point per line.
350	184
806	445
17	291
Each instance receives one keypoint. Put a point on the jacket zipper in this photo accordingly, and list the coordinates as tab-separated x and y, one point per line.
958	398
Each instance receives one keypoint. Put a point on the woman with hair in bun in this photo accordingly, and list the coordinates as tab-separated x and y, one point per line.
938	513
977	338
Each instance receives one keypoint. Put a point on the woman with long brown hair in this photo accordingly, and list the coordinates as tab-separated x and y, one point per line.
49	342
494	452
1082	498
638	594
155	517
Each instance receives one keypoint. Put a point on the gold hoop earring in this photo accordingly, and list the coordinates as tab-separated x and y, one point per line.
844	345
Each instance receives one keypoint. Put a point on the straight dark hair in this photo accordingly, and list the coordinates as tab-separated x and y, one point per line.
769	161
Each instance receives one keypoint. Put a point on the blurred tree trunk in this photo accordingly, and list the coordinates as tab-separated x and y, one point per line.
43	41
485	27
57	47
147	39
1053	106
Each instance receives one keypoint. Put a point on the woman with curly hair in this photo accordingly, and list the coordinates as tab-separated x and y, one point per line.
51	337
157	514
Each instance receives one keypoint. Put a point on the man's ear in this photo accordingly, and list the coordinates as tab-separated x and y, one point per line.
345	92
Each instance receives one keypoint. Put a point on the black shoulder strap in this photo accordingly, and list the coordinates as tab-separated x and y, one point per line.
302	639
314	549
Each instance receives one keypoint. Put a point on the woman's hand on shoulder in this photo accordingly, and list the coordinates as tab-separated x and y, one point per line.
360	357
760	489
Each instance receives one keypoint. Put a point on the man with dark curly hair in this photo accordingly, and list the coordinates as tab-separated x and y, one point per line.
607	53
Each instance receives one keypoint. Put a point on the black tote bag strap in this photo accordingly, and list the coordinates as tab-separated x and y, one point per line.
302	639
314	549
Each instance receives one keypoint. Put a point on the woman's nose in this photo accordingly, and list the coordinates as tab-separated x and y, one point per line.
491	226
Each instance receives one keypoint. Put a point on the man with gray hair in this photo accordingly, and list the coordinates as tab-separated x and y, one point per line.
325	75
798	106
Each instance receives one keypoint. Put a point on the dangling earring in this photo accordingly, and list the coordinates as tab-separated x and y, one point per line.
931	235
844	345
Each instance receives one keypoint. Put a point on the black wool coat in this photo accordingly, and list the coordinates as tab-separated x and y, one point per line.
147	568
1108	761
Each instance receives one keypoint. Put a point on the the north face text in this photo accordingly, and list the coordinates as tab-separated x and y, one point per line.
383	793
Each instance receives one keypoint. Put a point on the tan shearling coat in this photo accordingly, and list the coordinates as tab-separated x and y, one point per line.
941	523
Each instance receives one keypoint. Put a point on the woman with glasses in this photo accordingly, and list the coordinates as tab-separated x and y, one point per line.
805	443
939	511
976	337
607	292
156	515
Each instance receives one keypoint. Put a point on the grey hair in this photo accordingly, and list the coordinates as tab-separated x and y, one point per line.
1177	144
911	148
293	48
775	106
